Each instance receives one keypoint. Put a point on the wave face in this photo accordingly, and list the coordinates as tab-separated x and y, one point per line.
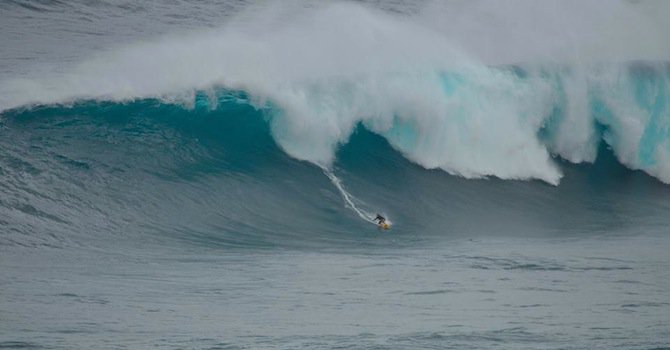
279	92
133	172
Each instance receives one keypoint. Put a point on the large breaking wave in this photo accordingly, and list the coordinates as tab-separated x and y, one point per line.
129	172
231	131
323	70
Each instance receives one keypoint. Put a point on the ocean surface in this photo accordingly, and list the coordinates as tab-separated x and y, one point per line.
203	174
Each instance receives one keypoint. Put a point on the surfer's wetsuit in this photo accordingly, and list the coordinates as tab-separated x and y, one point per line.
380	219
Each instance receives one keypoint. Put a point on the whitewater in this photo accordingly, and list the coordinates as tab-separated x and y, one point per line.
205	174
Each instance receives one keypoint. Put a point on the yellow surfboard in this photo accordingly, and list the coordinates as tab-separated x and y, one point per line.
384	226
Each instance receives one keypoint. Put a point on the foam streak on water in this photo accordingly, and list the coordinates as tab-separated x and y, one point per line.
348	197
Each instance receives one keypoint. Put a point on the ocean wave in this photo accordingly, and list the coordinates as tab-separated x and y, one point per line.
440	107
127	172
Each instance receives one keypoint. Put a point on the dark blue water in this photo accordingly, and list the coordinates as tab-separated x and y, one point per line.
169	178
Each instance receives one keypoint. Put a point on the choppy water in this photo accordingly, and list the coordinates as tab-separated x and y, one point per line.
201	175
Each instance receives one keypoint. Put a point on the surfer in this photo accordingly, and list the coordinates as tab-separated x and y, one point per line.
380	220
